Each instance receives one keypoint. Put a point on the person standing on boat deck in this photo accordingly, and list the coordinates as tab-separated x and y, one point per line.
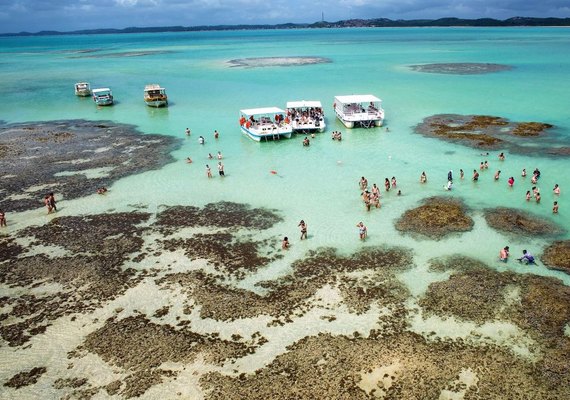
221	168
303	226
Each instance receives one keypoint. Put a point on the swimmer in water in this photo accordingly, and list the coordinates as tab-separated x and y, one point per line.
362	231
285	243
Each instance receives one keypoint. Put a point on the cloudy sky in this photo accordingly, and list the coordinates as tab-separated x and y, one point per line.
66	15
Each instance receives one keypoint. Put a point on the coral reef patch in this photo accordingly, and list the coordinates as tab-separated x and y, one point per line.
492	133
223	214
436	218
513	221
140	347
26	378
88	275
403	366
460	68
557	256
73	158
538	305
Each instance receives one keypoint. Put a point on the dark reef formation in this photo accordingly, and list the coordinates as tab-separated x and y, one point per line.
224	214
557	256
139	346
288	296
460	68
492	133
26	378
90	272
513	221
90	155
538	305
436	218
405	366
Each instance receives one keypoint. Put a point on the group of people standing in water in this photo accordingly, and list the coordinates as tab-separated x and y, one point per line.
371	198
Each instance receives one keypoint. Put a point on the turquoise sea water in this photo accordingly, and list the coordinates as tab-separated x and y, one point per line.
316	183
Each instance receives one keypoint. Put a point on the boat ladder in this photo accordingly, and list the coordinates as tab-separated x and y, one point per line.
367	124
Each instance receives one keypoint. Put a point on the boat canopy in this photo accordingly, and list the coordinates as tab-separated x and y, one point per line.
101	90
259	111
304	104
357	98
154	86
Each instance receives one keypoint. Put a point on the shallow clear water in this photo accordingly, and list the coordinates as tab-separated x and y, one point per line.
318	183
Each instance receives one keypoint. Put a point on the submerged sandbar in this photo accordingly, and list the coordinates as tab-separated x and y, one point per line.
256	62
460	68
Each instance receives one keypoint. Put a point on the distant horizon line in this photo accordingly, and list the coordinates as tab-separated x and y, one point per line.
347	23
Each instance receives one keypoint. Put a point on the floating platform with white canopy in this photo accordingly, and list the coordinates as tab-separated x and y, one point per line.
359	110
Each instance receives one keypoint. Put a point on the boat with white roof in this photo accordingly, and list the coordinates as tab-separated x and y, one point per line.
306	116
103	96
359	110
155	96
269	123
82	89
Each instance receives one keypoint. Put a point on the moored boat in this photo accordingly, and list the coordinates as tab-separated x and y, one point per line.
270	123
102	96
359	110
306	116
155	96
82	89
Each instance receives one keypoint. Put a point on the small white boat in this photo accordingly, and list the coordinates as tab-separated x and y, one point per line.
155	96
306	116
82	89
268	123
103	96
359	110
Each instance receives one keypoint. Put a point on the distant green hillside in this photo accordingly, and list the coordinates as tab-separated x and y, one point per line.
350	23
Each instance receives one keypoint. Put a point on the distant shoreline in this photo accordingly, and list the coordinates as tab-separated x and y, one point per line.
350	23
